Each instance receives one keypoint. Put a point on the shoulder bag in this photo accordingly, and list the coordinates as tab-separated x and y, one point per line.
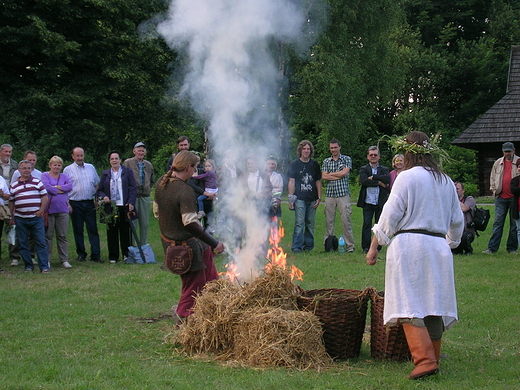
179	256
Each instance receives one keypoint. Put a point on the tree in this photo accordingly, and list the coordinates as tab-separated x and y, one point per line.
77	73
350	69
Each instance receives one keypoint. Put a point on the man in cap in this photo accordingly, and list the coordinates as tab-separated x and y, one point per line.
504	169
144	177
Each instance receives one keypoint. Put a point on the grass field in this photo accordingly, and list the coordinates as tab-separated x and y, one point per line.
102	326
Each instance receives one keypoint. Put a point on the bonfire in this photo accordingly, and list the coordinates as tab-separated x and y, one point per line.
256	324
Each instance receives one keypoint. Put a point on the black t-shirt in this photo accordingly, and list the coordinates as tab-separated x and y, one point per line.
305	175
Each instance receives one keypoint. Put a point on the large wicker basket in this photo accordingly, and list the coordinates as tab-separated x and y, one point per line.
385	342
342	314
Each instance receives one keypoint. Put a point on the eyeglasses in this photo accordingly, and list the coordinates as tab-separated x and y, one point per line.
373	155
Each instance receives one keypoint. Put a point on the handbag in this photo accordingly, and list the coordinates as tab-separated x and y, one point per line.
5	213
179	256
10	236
134	255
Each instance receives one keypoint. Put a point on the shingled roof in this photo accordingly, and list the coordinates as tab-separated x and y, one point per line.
502	121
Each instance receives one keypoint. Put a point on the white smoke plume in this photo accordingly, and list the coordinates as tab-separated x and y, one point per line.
232	78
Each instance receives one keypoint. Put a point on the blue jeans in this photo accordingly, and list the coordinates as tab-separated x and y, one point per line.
84	212
502	207
32	227
305	214
200	201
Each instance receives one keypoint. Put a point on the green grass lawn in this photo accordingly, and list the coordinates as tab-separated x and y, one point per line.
102	326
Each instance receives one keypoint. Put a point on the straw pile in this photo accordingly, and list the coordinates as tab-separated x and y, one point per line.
269	337
257	324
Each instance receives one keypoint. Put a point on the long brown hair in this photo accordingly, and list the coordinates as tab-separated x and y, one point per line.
182	160
301	145
424	160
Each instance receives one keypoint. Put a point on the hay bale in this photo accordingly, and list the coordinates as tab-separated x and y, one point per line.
270	337
257	324
210	327
274	289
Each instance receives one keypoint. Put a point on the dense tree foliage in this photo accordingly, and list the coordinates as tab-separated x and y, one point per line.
78	73
348	72
83	73
429	65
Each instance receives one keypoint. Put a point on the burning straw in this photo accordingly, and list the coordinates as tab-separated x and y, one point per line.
256	324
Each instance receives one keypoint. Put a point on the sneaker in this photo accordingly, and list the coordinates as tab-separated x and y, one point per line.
45	271
513	252
81	259
112	261
97	260
1	271
66	264
201	214
488	252
14	263
35	262
27	270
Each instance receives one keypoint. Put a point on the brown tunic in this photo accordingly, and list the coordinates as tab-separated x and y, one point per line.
173	200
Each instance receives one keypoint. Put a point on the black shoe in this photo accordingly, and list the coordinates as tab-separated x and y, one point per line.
97	260
81	259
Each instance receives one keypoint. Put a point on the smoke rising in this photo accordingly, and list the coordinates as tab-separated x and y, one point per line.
231	77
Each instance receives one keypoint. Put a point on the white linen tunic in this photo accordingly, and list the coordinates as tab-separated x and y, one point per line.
419	278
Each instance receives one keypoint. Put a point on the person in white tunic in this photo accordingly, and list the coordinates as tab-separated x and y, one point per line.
420	223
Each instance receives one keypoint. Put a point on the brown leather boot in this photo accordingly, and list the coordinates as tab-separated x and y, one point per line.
437	349
422	351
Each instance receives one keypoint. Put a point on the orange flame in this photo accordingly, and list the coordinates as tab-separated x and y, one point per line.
276	255
231	273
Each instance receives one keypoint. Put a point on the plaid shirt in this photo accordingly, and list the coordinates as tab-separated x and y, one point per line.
337	188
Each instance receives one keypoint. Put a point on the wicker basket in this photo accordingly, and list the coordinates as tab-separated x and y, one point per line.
342	314
385	342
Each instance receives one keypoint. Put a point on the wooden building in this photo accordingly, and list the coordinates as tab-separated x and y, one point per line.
499	124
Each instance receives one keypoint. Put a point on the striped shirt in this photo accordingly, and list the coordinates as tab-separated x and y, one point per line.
27	197
84	180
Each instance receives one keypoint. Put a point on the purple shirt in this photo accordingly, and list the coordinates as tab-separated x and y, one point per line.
58	203
210	179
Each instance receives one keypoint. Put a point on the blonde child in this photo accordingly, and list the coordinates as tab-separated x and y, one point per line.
210	184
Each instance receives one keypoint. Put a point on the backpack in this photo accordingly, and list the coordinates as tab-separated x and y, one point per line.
331	244
480	219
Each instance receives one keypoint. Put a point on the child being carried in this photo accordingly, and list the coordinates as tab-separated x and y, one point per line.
210	184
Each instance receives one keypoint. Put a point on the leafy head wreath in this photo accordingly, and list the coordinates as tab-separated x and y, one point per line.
400	145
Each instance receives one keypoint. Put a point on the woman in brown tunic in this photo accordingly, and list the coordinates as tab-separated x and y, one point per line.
178	221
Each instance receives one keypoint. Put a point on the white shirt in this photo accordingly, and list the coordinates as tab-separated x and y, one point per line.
84	181
4	187
277	182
